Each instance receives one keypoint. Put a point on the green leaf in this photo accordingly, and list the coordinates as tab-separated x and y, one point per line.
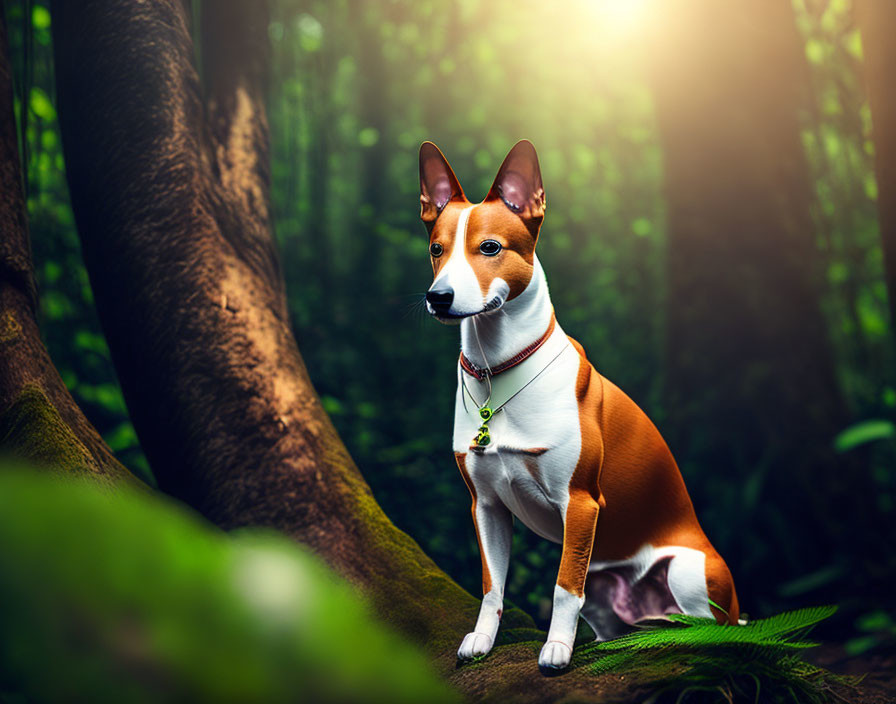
641	227
770	632
875	621
861	644
41	106
122	437
864	432
368	136
40	17
810	582
701	654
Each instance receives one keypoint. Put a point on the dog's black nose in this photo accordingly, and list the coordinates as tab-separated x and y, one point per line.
440	299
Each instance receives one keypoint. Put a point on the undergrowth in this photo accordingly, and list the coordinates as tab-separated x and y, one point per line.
697	660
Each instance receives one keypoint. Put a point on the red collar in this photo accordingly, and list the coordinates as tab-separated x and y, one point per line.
480	374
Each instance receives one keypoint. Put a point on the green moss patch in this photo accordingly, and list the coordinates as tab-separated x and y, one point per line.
10	328
32	429
404	586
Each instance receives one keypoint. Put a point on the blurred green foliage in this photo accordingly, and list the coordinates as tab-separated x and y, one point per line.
875	628
355	87
864	432
133	598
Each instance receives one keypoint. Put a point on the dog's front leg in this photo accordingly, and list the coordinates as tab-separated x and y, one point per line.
569	592
494	531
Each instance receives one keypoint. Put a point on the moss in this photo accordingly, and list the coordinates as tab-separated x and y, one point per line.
409	590
508	635
405	587
10	328
32	429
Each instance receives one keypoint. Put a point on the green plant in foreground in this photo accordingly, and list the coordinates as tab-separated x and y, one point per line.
759	661
126	597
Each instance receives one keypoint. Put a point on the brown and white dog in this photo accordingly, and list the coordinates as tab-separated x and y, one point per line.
570	455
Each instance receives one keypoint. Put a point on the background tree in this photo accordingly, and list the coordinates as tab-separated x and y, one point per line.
880	58
752	392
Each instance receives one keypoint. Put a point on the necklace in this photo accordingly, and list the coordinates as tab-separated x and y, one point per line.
483	437
519	358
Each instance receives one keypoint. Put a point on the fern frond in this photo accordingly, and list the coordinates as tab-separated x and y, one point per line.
773	632
739	662
689	620
791	621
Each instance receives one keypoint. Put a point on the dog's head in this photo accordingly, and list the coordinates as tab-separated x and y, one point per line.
482	255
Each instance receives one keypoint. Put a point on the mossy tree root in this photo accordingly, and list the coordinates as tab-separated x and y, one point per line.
39	420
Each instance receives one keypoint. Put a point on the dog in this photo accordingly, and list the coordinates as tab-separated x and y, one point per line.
539	434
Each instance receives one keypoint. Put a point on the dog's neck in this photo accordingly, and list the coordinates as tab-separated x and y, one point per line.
510	329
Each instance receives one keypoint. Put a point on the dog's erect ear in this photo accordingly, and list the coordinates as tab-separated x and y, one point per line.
518	185
438	184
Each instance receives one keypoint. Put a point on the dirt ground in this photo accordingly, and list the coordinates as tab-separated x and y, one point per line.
878	672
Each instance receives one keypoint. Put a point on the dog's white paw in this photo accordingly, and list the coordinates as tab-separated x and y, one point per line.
554	656
474	645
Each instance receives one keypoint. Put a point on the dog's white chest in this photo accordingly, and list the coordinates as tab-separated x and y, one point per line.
535	439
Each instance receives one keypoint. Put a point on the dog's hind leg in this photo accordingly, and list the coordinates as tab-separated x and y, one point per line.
720	587
647	587
599	614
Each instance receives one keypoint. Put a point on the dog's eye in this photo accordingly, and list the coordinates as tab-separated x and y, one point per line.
435	249
490	248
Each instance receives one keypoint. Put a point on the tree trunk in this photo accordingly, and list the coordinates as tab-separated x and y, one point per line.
751	387
39	420
876	19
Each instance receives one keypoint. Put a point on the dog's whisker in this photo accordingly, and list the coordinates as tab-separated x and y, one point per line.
415	308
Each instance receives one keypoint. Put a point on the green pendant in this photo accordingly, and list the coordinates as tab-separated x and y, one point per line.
483	438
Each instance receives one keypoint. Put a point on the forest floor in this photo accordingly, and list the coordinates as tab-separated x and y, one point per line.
877	670
510	673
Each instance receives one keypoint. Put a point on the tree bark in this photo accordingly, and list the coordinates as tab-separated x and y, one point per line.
39	420
879	53
751	386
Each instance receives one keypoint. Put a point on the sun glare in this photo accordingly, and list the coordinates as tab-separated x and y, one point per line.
619	17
